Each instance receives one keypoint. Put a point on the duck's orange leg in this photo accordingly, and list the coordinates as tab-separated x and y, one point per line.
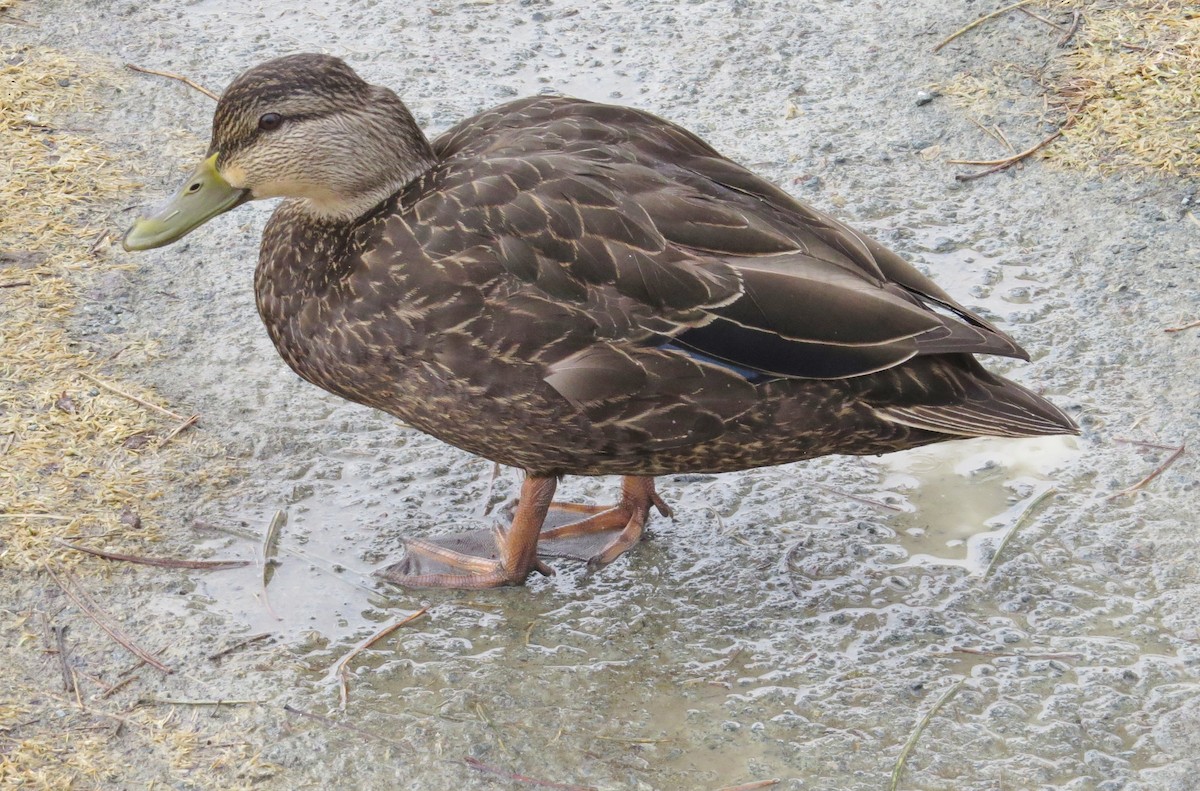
628	518
441	563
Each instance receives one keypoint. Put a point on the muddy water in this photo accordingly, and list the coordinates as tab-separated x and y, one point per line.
792	623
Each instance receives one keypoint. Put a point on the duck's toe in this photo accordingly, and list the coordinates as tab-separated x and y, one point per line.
468	560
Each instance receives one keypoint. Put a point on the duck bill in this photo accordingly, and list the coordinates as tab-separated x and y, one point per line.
203	196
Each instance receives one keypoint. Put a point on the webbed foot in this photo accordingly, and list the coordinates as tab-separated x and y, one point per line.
606	532
480	558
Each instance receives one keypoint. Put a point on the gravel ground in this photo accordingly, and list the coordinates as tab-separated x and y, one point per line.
778	627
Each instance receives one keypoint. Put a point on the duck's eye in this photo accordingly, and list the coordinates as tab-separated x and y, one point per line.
270	121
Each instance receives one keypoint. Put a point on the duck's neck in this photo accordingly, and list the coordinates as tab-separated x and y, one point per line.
327	206
393	149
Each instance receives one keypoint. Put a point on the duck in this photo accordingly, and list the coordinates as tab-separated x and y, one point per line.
575	288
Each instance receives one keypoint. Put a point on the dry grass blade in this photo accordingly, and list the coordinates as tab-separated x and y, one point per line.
267	550
339	669
1012	531
224	652
980	21
16	284
131	397
172	76
271	539
191	421
51	517
1179	451
165	563
101	619
916	734
631	739
1136	65
480	766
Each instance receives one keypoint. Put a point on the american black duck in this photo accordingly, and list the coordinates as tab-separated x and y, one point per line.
579	289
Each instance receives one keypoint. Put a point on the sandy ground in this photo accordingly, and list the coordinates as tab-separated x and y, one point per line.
778	627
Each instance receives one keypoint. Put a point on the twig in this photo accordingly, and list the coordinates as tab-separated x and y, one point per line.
1007	162
193	702
1142	444
117	686
480	766
1012	531
191	421
15	20
115	354
980	21
1041	19
100	239
857	498
91	610
916	734
345	726
1075	17
164	563
224	652
172	76
1157	472
1024	655
339	669
91	678
1182	327
60	641
16	283
751	786
131	397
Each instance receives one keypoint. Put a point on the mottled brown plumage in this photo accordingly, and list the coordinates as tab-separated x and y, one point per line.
577	288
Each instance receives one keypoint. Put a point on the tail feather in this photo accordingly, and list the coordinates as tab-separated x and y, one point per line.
996	407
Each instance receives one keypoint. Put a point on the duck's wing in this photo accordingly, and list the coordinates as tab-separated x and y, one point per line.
656	236
651	283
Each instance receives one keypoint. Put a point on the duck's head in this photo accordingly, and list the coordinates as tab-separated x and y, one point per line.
302	126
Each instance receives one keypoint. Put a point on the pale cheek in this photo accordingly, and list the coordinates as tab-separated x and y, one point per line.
289	188
235	176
